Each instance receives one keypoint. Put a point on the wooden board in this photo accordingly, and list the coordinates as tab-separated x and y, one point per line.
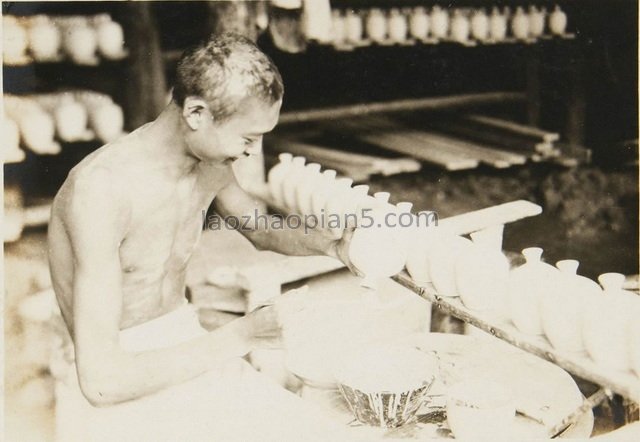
540	389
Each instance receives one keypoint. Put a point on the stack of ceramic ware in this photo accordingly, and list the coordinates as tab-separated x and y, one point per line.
69	116
43	38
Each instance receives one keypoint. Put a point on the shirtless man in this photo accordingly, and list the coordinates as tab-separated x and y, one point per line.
128	218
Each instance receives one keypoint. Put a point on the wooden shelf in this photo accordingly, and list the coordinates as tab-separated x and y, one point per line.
625	384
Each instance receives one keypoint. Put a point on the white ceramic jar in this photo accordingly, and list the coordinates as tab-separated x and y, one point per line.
606	324
460	27
445	250
339	192
419	23
44	39
321	192
354	28
291	182
110	38
418	251
497	25
307	182
398	26
528	284
376	25
80	43
520	25
537	18
376	250
482	273
558	21
439	22
15	41
276	176
480	25
562	311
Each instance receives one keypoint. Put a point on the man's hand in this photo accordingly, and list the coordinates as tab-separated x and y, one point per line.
262	328
340	250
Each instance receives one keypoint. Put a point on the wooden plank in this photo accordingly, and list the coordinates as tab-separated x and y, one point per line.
402	143
509	141
514	128
625	384
432	103
432	140
493	157
357	166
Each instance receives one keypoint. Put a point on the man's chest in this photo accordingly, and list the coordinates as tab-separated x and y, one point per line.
165	226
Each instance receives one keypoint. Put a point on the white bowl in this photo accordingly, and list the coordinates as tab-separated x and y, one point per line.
386	385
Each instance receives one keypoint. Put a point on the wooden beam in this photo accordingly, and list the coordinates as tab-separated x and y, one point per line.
431	103
145	84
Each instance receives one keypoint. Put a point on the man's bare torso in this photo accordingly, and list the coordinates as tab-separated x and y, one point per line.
164	223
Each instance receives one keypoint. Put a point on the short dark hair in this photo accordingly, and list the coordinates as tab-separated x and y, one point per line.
224	69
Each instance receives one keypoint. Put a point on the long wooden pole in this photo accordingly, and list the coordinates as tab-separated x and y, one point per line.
431	103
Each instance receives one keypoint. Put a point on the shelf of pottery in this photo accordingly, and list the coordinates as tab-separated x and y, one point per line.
347	28
42	123
457	264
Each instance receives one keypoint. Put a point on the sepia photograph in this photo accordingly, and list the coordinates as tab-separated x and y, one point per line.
320	220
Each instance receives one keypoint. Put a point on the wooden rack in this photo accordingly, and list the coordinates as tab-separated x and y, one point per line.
625	384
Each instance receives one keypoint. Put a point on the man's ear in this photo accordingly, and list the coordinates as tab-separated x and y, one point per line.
193	111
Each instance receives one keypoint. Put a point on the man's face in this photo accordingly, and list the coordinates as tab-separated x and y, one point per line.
238	136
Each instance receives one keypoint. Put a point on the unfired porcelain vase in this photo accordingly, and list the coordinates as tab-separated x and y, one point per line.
497	25
398	26
482	273
606	324
460	27
537	18
558	21
480	25
303	191
354	29
276	177
338	27
107	121
377	250
520	25
419	23
44	39
290	183
445	250
321	192
417	263
14	41
528	284
439	22
110	39
376	25
562	310
71	120
80	43
339	192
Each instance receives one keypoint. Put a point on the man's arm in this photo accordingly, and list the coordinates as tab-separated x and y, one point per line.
234	201
97	219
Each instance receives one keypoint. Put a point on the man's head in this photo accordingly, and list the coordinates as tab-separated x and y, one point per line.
230	95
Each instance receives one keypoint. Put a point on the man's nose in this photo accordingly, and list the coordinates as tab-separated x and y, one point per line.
255	148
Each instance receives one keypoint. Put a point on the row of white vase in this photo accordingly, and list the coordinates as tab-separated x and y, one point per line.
43	38
461	25
573	312
37	121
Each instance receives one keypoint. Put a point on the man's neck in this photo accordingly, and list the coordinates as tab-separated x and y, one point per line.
168	146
